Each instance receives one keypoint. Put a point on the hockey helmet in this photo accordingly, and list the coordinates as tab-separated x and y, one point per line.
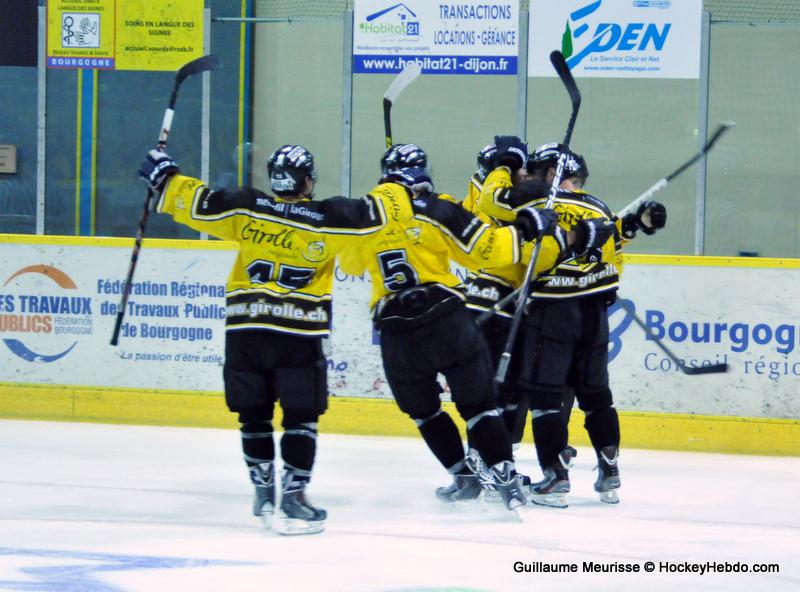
400	156
485	158
288	168
546	156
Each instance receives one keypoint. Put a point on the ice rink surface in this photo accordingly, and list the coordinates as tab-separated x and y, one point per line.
104	508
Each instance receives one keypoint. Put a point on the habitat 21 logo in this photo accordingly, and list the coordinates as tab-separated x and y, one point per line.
39	316
397	19
610	36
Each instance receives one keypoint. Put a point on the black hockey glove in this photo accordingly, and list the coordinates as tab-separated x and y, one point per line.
157	168
590	236
650	216
511	152
534	223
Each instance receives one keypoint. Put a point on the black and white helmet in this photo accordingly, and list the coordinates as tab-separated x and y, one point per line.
288	168
403	156
546	156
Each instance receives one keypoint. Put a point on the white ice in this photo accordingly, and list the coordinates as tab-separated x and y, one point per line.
106	508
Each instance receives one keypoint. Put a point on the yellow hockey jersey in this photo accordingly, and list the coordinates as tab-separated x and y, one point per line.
570	278
422	235
282	278
486	287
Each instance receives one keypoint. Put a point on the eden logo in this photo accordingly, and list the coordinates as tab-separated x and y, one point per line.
610	36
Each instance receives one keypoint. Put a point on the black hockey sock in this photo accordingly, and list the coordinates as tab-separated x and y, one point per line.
257	443
490	437
549	435
568	404
517	427
442	437
603	428
299	444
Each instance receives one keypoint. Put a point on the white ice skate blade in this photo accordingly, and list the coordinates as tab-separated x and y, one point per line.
295	526
550	500
518	513
609	497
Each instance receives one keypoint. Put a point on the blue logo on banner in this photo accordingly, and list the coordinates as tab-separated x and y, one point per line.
623	37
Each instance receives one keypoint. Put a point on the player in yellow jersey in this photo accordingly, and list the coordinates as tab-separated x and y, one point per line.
418	307
487	286
278	298
566	329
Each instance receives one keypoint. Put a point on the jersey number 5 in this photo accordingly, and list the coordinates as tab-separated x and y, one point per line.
397	272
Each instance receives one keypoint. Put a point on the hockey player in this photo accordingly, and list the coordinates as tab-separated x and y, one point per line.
566	334
418	306
278	310
486	287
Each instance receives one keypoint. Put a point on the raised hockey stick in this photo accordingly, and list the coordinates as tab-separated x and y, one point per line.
690	370
658	186
661	183
560	65
201	64
401	81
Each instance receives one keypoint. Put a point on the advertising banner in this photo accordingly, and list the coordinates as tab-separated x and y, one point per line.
617	38
114	34
80	34
58	303
468	37
158	35
747	317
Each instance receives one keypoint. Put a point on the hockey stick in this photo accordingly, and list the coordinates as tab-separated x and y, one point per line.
201	64
661	183
690	370
560	65
658	186
401	81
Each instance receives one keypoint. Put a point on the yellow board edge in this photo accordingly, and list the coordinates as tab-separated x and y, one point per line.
381	417
216	245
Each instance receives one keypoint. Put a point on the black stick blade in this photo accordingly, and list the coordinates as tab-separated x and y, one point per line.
713	369
564	73
201	64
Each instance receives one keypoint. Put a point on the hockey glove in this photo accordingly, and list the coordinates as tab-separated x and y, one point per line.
157	168
416	179
485	160
590	236
534	223
652	216
511	152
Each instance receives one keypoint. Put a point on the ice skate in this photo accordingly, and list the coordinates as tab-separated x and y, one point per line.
463	488
553	489
608	475
509	486
263	477
296	515
478	467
